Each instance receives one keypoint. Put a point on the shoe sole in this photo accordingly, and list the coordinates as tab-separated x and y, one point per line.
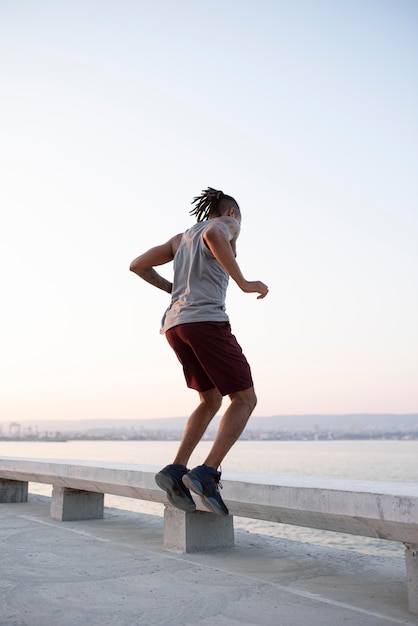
174	495
196	486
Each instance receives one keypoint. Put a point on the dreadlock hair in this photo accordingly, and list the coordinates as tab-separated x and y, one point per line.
210	202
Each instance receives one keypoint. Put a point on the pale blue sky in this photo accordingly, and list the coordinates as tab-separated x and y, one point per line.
114	115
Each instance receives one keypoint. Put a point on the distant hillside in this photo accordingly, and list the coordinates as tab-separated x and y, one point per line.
337	422
356	421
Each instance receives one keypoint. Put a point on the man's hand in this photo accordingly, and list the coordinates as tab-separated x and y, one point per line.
255	286
155	279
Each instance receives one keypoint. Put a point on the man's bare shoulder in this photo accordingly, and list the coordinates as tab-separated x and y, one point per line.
230	225
228	219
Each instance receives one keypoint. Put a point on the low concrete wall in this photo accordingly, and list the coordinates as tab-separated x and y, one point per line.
372	509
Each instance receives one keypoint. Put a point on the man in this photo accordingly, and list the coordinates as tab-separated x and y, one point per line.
197	328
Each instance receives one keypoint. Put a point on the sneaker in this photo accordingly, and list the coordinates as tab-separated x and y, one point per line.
204	481
169	479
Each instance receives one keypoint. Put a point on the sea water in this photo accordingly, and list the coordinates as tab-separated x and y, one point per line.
389	460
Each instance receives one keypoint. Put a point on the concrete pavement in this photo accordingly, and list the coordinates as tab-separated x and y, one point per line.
115	572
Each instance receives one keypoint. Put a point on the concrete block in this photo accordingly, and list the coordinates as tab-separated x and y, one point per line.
196	532
13	490
411	557
73	504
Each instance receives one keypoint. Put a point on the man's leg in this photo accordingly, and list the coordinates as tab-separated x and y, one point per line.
204	479
232	425
170	478
199	420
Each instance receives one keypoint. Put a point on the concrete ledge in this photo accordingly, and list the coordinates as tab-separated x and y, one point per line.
119	479
371	509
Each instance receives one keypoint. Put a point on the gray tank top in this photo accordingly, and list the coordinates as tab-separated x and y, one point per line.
199	285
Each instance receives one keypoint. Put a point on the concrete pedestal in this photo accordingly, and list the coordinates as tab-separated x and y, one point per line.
411	557
13	490
198	531
72	504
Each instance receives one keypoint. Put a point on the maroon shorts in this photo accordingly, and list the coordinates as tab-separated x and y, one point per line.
210	356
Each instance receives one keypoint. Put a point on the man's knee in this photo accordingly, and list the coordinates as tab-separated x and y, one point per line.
212	399
247	398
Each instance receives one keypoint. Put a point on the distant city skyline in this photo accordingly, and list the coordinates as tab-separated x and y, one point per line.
291	423
115	115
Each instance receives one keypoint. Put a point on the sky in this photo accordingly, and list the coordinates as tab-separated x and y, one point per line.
115	114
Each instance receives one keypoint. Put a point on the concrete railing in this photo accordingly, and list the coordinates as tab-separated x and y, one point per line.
371	509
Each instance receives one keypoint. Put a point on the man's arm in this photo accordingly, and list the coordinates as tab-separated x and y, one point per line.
220	237
144	264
